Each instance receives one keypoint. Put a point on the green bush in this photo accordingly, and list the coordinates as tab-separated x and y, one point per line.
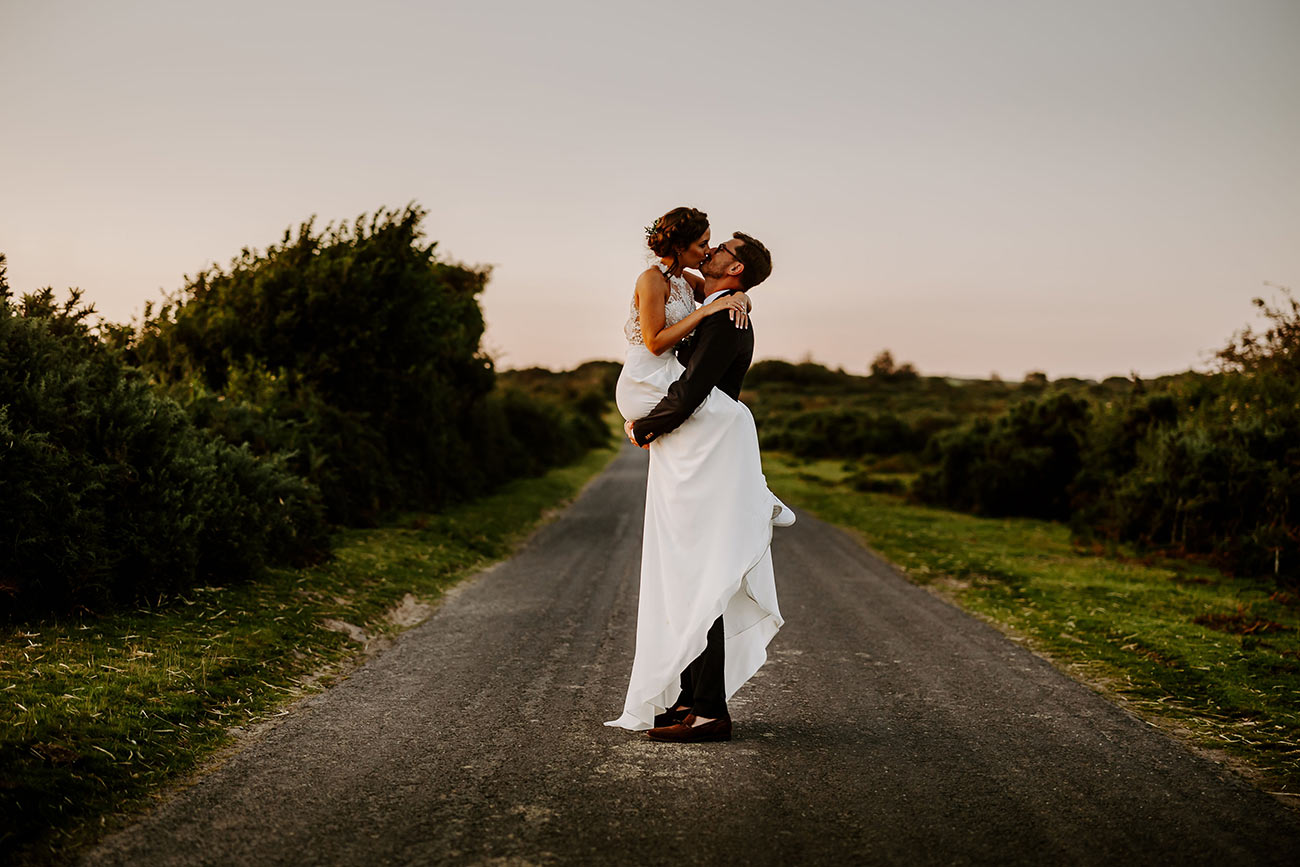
1208	469
1210	466
841	432
540	432
108	492
866	481
1192	463
1020	463
335	374
1203	464
1115	436
1224	491
355	353
804	374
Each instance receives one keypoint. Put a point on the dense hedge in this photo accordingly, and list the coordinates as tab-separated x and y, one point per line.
1212	466
334	377
804	374
1230	490
835	431
1208	465
107	490
1191	464
1021	463
356	353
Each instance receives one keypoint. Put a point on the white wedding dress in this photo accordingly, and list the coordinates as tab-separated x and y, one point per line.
708	531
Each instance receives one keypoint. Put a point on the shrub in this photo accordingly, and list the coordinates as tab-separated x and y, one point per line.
1020	463
840	432
1210	464
865	481
354	351
1227	492
1194	473
804	374
107	490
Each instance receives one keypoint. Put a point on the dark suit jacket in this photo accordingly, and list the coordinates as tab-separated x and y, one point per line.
718	355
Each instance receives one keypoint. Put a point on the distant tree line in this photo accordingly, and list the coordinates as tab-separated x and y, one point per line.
331	379
1206	465
1193	464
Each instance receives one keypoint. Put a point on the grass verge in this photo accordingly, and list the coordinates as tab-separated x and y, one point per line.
1207	656
97	715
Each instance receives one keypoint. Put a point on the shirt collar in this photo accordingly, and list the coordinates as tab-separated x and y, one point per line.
717	294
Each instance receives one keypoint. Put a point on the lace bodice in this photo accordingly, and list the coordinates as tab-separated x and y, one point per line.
680	304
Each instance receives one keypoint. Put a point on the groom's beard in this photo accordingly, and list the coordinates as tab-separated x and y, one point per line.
705	269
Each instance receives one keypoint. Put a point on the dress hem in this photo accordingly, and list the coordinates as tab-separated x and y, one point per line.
696	647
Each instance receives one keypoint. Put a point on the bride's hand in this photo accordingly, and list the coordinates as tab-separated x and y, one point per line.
736	306
631	435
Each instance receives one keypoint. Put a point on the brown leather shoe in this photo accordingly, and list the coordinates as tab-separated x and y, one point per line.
684	732
671	716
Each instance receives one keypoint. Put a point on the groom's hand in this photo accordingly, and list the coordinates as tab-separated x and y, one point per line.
627	429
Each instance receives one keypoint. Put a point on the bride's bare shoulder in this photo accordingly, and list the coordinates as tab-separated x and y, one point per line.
652	278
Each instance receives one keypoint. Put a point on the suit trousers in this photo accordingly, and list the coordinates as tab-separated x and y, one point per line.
703	686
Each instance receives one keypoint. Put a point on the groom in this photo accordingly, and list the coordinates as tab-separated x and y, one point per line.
718	355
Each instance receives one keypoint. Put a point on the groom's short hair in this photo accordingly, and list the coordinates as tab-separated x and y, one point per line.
754	256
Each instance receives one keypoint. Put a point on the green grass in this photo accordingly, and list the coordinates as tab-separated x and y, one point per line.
1211	657
96	715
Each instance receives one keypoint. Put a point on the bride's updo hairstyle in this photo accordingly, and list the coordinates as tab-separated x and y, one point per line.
675	231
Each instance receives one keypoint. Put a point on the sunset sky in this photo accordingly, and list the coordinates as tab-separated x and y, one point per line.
1083	188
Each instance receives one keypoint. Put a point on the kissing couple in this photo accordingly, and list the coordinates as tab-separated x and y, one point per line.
707	606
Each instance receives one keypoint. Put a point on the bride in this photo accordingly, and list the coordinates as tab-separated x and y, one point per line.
705	564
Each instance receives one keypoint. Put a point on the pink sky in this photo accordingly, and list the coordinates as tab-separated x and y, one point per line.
1082	188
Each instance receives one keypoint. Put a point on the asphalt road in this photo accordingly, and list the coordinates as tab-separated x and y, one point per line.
887	727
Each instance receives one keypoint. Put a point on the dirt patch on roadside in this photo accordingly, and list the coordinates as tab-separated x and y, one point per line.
408	612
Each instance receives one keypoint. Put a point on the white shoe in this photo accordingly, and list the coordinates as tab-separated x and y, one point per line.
782	516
